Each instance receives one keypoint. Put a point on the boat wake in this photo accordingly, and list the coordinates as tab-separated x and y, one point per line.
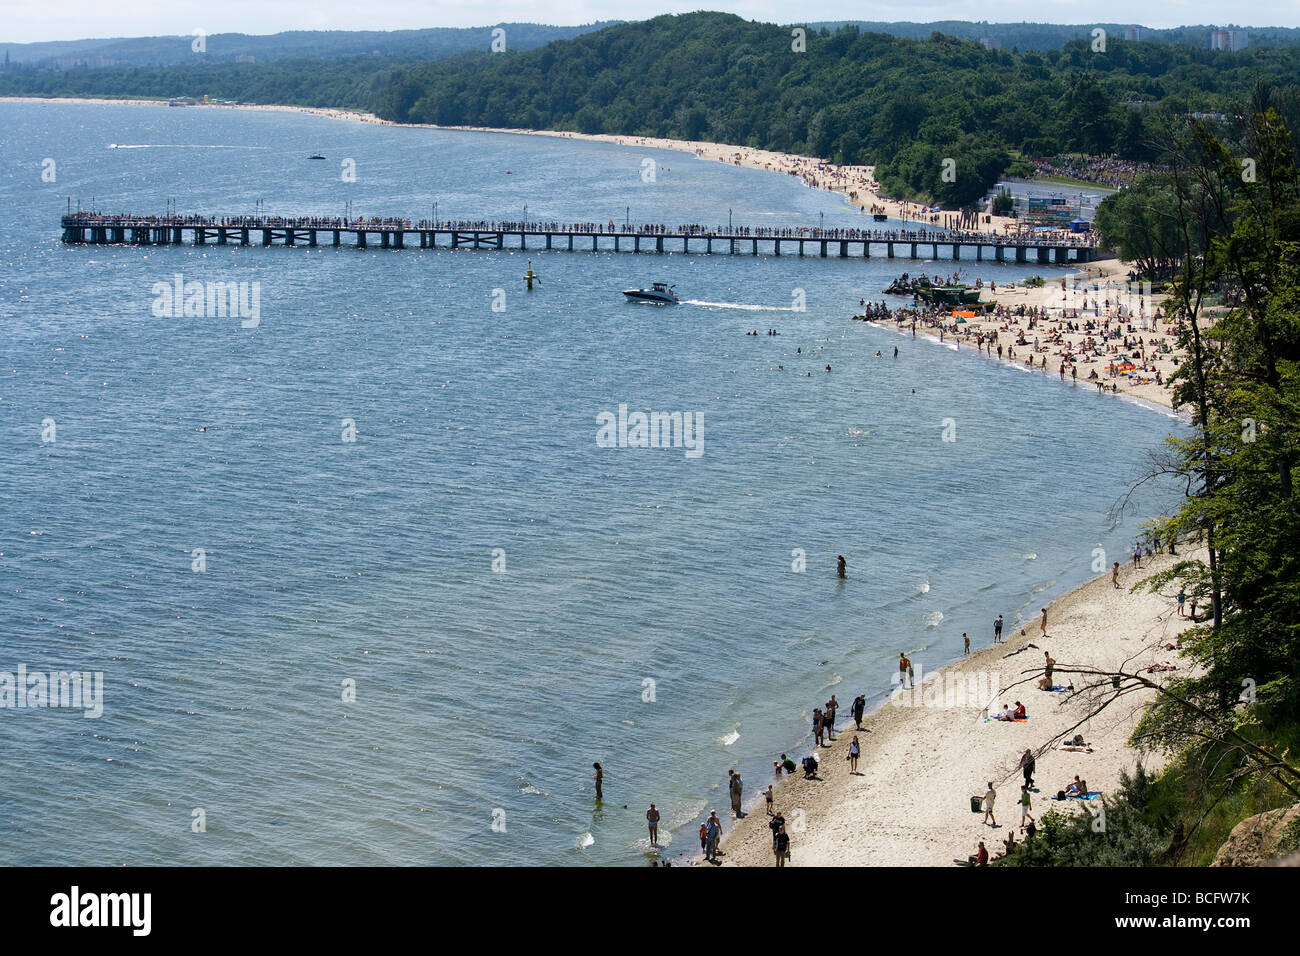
178	146
738	305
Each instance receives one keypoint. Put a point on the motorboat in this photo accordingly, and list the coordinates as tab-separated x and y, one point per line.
315	156
661	293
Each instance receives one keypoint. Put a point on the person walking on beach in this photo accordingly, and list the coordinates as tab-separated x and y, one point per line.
1114	575
990	798
775	825
1182	596
599	777
712	833
828	717
904	665
1042	624
965	643
704	837
1024	805
859	707
769	794
736	788
818	727
1137	555
855	751
1027	766
997	630
652	821
781	846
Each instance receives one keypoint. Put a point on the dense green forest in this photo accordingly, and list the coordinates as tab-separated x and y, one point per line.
1225	221
904	105
434	43
1053	36
411	45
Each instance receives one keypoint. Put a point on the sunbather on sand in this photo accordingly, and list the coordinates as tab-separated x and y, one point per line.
1079	788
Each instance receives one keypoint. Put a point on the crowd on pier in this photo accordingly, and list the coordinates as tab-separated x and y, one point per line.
922	234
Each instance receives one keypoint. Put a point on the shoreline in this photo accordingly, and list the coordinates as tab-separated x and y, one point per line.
856	183
921	763
1155	398
889	749
1057	331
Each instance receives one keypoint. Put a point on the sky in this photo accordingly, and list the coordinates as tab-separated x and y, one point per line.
24	21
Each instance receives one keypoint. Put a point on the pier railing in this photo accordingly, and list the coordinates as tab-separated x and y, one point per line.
394	233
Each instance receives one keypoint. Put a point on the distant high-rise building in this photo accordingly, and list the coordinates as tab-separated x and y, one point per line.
1132	33
1228	39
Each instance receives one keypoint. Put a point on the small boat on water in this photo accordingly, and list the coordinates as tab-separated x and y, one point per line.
661	293
315	156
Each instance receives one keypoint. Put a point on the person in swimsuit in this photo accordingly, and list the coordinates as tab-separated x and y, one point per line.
840	565
652	821
855	750
599	777
818	726
904	667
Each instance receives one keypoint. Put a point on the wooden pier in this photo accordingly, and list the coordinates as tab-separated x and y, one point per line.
921	243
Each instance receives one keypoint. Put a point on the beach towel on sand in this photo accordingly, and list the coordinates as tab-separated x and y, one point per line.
1090	795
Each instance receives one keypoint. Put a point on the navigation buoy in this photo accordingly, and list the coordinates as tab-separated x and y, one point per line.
530	275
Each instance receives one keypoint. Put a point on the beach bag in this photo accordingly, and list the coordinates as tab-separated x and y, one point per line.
975	804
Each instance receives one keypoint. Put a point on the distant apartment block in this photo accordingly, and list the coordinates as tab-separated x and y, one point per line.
1228	40
1132	33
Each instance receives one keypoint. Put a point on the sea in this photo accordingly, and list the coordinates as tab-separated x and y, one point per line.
364	580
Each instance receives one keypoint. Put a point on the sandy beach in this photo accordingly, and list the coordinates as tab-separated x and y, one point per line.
1103	284
920	764
1056	343
923	758
857	183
